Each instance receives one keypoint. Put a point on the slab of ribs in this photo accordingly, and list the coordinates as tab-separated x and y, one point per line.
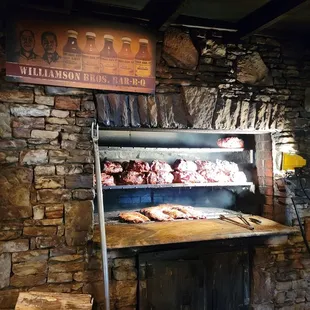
136	172
162	213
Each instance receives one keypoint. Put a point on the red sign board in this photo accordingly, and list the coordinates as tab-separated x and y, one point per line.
109	56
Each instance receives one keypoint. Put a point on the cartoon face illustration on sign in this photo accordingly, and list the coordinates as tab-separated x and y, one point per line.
49	43
27	43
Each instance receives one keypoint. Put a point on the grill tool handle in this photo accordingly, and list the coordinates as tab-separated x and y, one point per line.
224	218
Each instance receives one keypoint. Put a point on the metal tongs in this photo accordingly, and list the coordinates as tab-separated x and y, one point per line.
245	223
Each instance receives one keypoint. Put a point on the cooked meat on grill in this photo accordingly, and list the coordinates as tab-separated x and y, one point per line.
188	177
159	177
110	167
230	142
205	165
221	171
184	165
162	166
157	214
227	166
131	178
216	175
133	217
106	179
173	211
190	212
138	166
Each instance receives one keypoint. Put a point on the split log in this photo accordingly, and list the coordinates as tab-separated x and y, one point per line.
52	301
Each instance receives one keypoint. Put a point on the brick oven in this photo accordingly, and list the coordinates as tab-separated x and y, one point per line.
49	230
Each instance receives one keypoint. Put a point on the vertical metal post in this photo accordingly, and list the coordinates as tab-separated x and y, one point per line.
104	252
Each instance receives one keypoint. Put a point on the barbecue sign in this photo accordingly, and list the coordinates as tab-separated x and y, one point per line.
109	56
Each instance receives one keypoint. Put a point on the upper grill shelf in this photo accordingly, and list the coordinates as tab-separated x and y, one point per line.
161	149
177	185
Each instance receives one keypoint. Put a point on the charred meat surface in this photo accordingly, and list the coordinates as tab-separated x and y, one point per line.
183	165
159	177
157	214
133	217
230	143
162	166
132	178
106	179
137	166
168	212
112	167
188	177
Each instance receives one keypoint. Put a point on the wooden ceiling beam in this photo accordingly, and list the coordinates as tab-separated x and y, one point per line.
161	13
196	22
265	16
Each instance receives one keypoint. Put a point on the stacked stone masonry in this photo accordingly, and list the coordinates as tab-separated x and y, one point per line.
46	192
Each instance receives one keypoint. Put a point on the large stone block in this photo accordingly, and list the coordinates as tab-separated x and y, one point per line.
49	242
83	194
88	276
5	121
46	100
30	110
78	222
251	69
30	256
171	113
12	144
226	114
28	268
60	113
263	286
49	182
17	96
5	270
200	105
15	184
20	132
34	157
9	235
71	266
53	195
57	121
67	103
45	134
179	50
68	91
11	246
54	211
47	170
38	212
124	273
43	222
59	277
214	50
79	181
28	122
39	231
133	111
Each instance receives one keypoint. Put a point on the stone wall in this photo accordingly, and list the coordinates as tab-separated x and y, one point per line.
46	160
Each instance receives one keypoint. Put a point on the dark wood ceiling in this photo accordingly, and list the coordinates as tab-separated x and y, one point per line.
241	17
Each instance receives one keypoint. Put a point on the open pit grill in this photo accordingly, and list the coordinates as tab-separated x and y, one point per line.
169	145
